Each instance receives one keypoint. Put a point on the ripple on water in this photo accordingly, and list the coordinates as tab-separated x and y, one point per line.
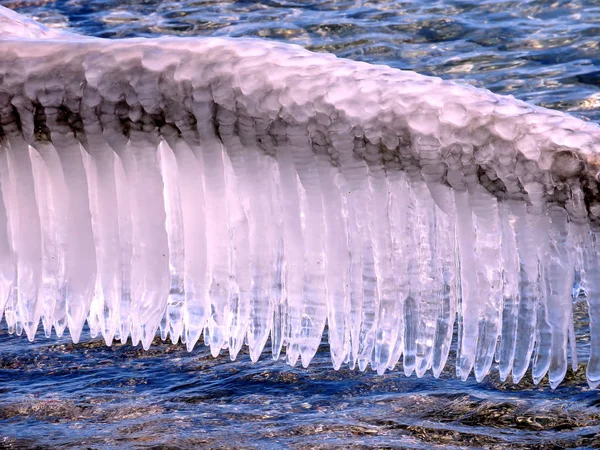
64	394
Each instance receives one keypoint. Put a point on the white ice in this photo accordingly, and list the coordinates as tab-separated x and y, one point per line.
245	190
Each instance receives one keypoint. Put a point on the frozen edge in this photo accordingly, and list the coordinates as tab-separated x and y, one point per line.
510	148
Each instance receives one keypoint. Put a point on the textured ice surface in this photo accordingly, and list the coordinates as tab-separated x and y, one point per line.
246	189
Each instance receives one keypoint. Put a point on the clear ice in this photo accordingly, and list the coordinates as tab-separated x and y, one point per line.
249	191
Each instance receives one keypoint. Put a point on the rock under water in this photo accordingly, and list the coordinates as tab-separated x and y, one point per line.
246	189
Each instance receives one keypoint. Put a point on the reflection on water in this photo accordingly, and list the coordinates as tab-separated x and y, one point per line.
54	393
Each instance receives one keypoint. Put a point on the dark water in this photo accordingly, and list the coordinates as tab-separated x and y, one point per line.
56	394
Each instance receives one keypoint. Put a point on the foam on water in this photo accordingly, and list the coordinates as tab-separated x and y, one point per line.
245	189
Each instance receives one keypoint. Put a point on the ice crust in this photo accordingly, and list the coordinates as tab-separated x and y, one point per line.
246	190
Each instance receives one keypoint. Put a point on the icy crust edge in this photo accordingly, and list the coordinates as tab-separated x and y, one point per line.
16	26
298	87
246	190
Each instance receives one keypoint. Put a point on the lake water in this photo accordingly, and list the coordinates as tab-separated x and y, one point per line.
56	394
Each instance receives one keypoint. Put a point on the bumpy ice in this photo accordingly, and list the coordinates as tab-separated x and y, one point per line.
245	190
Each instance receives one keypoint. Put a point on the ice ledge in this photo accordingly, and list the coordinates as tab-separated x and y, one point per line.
505	142
246	189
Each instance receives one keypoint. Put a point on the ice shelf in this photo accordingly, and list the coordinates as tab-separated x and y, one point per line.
246	189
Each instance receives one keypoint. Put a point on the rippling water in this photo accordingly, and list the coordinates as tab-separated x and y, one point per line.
54	393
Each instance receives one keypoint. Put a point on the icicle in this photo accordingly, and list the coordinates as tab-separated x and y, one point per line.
240	298
529	228
175	236
446	246
430	279
403	251
437	258
149	268
293	246
362	295
217	224
489	275
510	275
124	200
560	267
387	291
114	167
95	317
80	257
55	223
591	286
314	311
27	238
7	257
340	258
338	262
254	174
250	134
408	226
105	225
470	304
196	307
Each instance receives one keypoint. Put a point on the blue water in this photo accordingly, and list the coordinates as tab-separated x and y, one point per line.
56	394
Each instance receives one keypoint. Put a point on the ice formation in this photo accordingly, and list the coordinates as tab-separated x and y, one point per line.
245	189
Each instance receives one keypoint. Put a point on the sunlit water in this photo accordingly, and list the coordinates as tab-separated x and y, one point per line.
56	394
